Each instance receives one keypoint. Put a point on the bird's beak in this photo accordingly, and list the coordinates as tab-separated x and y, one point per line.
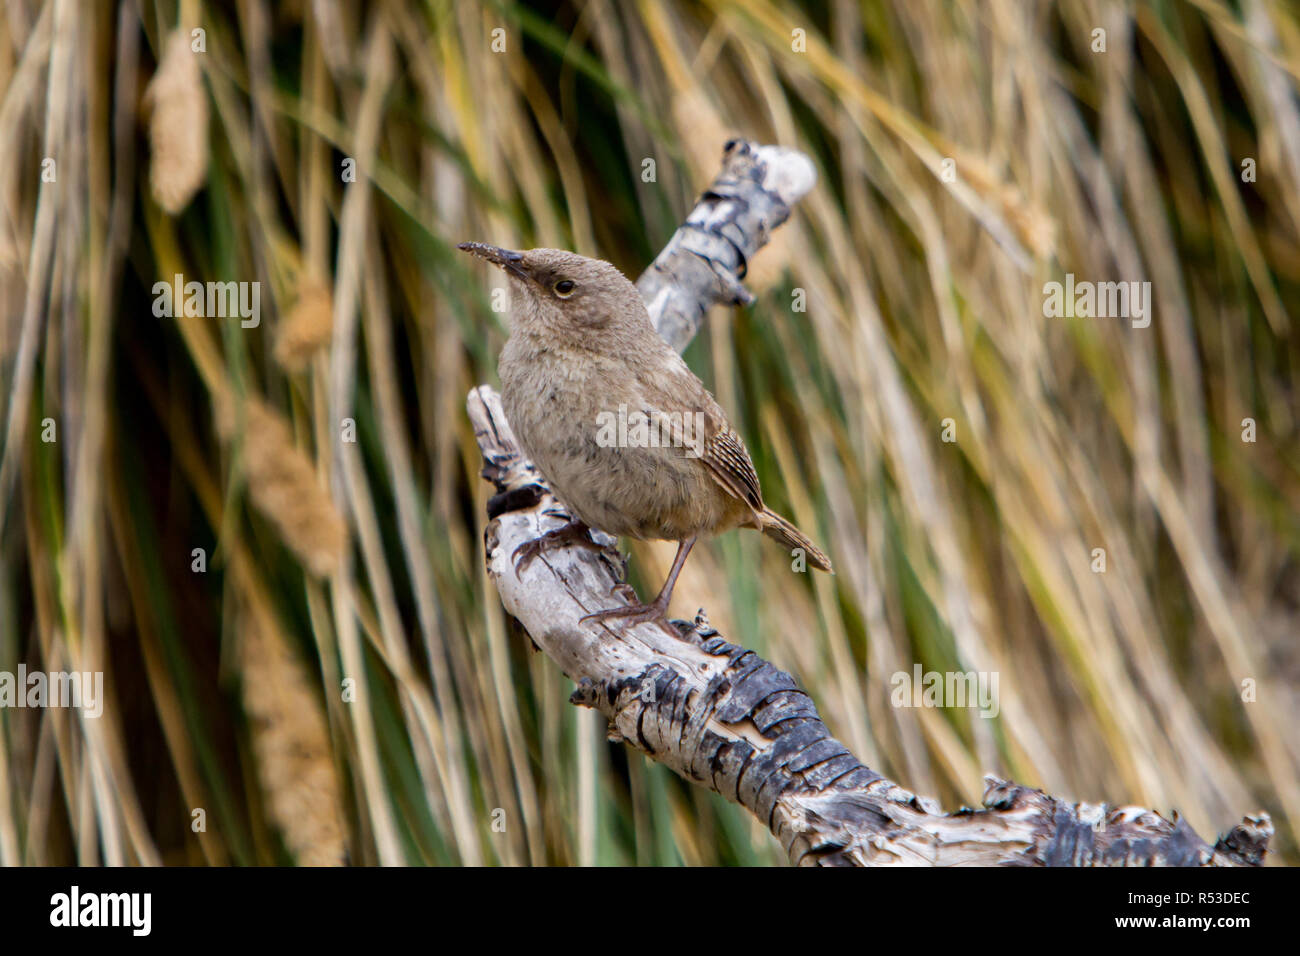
508	260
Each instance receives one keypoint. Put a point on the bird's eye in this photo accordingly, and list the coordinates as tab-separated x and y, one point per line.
564	288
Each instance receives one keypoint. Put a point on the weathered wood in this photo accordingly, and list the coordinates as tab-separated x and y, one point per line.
708	256
719	714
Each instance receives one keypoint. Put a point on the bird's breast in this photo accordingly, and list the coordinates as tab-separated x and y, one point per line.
577	421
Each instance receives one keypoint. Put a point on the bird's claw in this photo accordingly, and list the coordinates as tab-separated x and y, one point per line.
575	533
655	611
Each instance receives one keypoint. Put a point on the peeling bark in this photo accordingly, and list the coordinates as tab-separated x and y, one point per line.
709	254
719	714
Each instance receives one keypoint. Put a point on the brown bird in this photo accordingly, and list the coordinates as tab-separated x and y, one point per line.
629	439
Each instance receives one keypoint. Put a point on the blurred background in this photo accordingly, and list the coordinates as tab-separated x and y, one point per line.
304	659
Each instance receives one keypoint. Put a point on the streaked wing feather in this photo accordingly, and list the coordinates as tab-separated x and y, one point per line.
730	466
723	451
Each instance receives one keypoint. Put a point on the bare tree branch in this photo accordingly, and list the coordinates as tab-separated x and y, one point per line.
720	715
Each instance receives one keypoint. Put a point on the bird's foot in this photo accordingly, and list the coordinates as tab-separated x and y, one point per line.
575	532
655	611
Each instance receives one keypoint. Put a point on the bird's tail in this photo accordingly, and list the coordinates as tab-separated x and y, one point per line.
778	529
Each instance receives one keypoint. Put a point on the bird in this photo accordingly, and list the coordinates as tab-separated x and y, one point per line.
629	440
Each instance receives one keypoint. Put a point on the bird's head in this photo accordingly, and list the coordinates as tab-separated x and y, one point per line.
562	289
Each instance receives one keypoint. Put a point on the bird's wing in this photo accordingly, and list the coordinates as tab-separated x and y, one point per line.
729	464
719	448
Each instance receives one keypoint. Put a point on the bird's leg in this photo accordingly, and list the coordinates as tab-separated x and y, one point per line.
575	532
656	609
